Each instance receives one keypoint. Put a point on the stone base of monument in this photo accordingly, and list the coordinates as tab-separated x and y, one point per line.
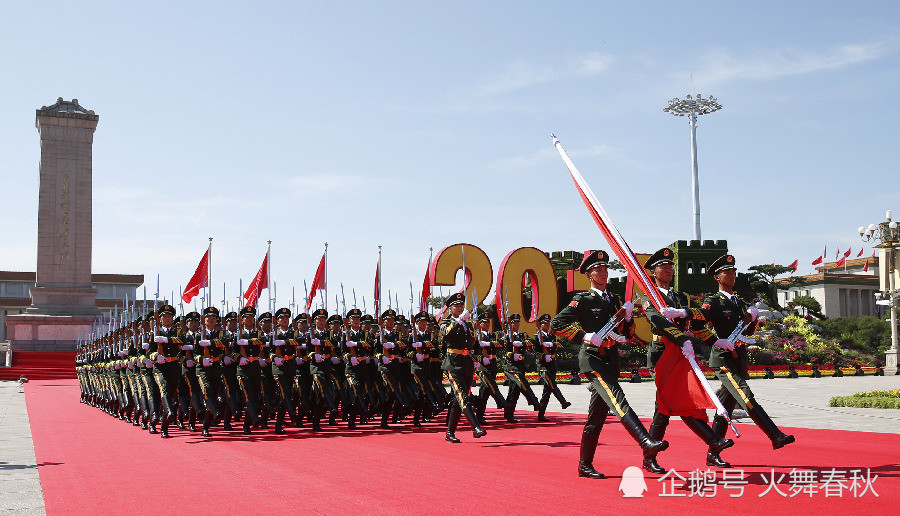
67	301
46	332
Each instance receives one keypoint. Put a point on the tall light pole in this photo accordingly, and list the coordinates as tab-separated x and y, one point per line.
887	234
692	108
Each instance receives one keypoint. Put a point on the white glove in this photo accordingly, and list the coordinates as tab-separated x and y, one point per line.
465	315
159	339
389	345
205	343
187	347
122	353
517	356
243	361
724	344
145	345
753	311
318	357
279	343
227	360
351	343
593	338
278	361
299	360
262	362
315	342
517	343
486	361
548	358
417	345
629	307
673	313
160	359
420	357
335	360
746	339
547	344
190	363
616	337
687	349
243	342
385	360
206	362
117	366
354	361
485	344
149	363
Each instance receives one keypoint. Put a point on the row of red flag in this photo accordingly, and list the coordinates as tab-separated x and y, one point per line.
200	280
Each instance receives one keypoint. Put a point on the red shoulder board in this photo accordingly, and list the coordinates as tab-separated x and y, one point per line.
573	304
706	306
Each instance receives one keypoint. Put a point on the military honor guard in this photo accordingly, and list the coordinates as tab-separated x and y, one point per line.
249	350
422	346
282	355
457	334
391	357
167	368
517	356
581	321
489	349
545	348
320	368
357	344
209	351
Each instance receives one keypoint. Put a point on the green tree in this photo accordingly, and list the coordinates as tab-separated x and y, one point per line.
867	334
810	303
762	282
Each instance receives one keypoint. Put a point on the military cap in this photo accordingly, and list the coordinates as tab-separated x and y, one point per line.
390	313
483	316
321	312
515	317
282	311
231	315
459	297
664	255
302	317
248	310
210	310
723	262
422	315
336	318
177	320
544	319
192	316
593	259
265	316
354	312
167	309
151	314
367	318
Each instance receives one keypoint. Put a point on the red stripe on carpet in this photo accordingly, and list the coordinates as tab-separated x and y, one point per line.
89	461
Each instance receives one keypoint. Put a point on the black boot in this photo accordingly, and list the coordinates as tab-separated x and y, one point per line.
657	431
279	421
452	421
764	422
719	427
586	460
637	431
711	437
164	428
477	431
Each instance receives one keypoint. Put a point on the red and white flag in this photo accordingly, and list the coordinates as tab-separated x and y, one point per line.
318	282
793	266
847	253
837	254
817	261
260	281
199	280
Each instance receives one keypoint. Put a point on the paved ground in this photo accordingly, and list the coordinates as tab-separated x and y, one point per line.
798	402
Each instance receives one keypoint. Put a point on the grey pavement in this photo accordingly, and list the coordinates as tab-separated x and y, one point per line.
20	485
791	402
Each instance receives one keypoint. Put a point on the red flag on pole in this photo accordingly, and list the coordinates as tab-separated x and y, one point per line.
817	261
318	282
861	249
377	295
260	281
847	253
198	280
793	266
837	254
840	263
866	267
426	288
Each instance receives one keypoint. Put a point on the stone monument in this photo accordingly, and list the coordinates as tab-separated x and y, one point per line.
63	301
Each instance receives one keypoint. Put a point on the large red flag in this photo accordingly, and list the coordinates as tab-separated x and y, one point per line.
817	261
793	266
198	280
260	281
377	295
318	282
840	262
426	289
847	253
678	391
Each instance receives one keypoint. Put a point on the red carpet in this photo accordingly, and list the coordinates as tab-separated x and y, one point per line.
88	462
40	365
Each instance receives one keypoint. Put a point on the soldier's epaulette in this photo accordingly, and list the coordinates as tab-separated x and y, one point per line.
673	332
696	314
569	331
293	342
175	340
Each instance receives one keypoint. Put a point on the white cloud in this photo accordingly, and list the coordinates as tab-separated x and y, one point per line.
522	74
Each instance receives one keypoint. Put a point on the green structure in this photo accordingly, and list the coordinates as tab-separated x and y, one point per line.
691	260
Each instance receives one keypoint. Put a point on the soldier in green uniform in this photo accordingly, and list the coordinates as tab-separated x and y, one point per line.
266	379
681	324
490	348
579	322
725	311
517	356
303	379
146	372
337	374
390	353
456	331
545	346
189	368
209	350
250	347
355	341
230	357
421	346
320	368
167	368
284	368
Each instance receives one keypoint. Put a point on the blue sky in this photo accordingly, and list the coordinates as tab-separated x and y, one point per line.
410	125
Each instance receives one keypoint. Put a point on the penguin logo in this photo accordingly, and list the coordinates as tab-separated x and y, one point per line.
632	484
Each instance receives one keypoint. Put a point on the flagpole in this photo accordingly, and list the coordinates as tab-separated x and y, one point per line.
209	273
325	279
428	272
378	301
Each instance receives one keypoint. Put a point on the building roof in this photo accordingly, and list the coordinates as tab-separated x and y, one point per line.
126	279
67	109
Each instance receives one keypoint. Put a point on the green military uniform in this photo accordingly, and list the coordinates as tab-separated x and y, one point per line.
490	348
284	369
250	348
517	345
391	355
167	368
545	347
209	350
459	368
422	346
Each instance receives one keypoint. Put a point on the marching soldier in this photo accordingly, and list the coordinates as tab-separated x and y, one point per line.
192	391
356	356
250	348
598	358
459	345
230	357
725	311
266	379
303	379
210	352
421	348
489	347
517	352
151	387
390	367
545	346
284	368
167	368
679	325
338	376
320	368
